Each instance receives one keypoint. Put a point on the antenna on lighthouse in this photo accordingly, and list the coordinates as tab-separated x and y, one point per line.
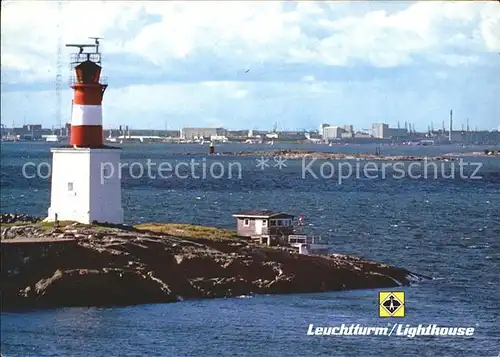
96	40
82	55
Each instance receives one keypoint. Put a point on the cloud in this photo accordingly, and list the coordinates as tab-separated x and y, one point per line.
268	31
490	28
162	33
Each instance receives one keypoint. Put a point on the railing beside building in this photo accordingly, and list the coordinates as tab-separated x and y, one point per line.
277	230
303	239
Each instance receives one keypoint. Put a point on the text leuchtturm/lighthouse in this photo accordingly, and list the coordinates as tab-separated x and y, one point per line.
80	190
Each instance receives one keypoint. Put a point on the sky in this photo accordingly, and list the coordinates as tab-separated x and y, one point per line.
249	65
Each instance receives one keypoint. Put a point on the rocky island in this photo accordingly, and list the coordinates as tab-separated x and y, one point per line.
71	264
289	154
320	155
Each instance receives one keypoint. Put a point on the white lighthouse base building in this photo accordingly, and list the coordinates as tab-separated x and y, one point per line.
86	185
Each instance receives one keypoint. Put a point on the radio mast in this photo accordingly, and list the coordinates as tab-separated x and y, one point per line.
59	67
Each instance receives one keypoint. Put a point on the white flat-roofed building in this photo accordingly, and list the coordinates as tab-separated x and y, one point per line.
332	132
380	131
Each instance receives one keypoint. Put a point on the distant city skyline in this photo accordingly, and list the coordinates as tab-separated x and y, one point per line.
376	130
249	65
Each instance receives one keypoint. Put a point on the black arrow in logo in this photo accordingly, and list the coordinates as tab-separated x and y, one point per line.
391	304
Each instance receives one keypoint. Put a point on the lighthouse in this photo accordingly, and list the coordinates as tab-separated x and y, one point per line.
86	178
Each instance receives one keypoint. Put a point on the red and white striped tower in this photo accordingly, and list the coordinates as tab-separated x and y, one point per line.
86	179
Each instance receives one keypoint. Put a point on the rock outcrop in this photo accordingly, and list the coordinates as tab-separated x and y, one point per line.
17	217
76	265
289	154
320	155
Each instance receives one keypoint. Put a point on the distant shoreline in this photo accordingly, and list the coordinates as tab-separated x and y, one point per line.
290	154
347	143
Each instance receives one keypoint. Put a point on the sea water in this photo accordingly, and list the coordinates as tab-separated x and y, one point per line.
446	228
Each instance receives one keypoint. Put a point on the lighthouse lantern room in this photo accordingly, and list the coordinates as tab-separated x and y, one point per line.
86	179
